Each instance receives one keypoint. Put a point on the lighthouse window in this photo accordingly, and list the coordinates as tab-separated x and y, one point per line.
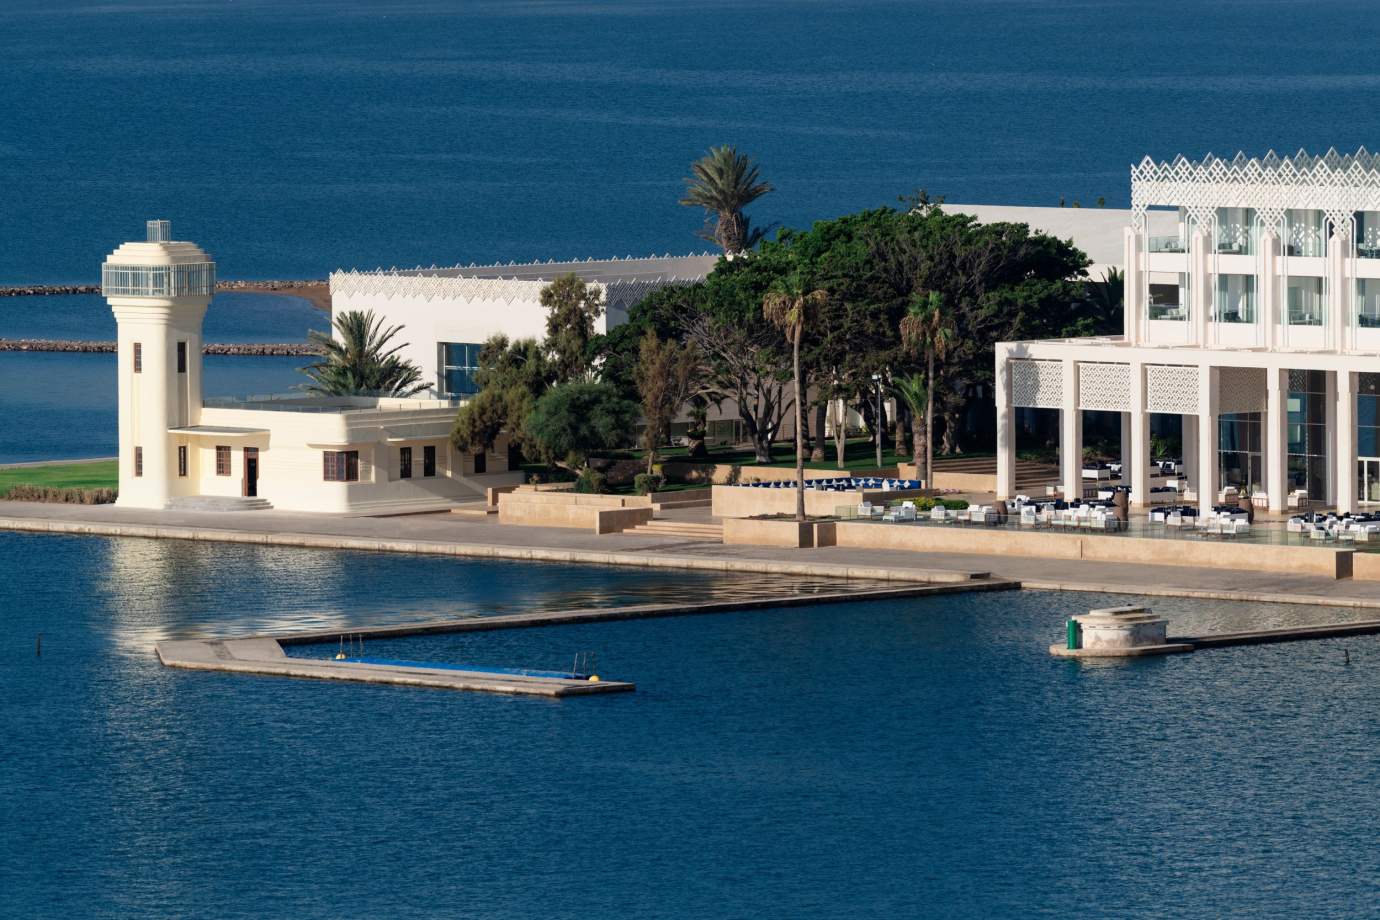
182	460
138	461
138	357
182	357
222	460
340	465
405	463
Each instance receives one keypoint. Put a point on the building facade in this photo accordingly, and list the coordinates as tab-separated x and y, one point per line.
298	452
1256	322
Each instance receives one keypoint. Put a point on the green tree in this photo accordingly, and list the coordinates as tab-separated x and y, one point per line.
665	380
359	362
723	182
927	329
571	420
912	391
572	307
511	377
792	306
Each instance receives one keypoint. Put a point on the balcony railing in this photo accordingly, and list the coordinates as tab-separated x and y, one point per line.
1168	311
1167	244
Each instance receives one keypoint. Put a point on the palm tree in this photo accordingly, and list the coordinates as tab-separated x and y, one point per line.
914	393
358	361
926	328
791	305
724	182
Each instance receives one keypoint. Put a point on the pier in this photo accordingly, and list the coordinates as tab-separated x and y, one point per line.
264	655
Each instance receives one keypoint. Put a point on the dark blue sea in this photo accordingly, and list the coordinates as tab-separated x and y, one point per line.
293	137
917	758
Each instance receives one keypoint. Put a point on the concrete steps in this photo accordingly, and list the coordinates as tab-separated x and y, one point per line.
218	503
712	533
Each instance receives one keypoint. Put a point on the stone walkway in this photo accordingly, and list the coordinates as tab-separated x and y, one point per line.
453	534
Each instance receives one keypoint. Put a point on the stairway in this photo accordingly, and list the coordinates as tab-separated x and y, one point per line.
691	530
218	503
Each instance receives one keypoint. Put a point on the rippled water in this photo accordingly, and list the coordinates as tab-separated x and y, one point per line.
923	757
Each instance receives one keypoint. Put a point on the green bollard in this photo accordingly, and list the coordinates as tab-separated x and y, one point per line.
1075	636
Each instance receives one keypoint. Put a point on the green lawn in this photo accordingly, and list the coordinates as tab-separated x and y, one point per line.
99	474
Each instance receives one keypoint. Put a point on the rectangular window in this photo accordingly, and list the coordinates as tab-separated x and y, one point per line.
1236	298
222	460
182	357
138	358
405	463
429	460
1306	301
138	461
182	460
340	465
458	362
481	462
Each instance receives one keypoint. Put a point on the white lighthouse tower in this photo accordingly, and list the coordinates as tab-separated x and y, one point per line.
158	291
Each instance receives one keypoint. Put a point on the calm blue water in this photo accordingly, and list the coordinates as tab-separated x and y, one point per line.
917	758
62	406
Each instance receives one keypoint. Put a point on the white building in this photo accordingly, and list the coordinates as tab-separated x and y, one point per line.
448	313
1256	320
299	453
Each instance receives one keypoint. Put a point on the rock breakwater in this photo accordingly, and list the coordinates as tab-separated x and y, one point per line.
283	349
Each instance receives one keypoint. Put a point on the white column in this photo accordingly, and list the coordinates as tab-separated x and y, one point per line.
1345	467
1207	438
1138	420
1330	439
1276	445
1268	294
1006	428
1199	260
1338	291
1071	435
1133	299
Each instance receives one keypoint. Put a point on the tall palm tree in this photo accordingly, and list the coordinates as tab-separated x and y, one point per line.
926	328
791	306
358	361
724	182
913	391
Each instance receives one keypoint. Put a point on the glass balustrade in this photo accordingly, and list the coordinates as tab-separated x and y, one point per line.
1167	244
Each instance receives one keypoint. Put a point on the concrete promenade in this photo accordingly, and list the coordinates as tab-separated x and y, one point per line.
459	535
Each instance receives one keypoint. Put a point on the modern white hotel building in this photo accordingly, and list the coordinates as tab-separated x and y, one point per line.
1255	319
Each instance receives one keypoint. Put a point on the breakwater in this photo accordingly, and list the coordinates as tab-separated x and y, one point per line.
316	291
281	349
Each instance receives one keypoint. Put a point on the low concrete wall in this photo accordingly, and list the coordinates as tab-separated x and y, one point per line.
1259	557
764	532
952	479
1365	566
747	501
600	513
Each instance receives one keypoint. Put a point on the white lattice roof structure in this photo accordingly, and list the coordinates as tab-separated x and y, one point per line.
1334	183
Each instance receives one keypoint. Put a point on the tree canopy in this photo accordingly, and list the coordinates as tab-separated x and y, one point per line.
358	361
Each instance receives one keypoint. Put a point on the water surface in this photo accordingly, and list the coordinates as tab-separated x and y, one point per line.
924	757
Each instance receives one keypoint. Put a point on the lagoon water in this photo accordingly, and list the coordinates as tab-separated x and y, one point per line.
920	758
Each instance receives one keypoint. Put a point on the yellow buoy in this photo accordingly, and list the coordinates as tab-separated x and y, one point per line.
594	678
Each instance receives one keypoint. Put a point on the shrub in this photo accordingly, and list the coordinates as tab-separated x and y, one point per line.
23	492
591	481
647	483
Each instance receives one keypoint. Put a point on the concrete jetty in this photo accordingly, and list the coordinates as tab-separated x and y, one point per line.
265	655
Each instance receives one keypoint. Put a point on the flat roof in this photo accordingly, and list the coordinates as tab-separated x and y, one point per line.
652	268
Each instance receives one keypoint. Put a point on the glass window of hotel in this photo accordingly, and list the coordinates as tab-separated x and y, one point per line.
222	460
1239	453
1236	231
429	460
1307	464
340	465
1368	303
1167	300
1368	234
1368	437
404	463
1306	301
1236	298
1305	233
459	361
